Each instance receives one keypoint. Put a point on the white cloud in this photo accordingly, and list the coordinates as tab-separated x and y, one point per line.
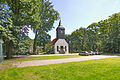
116	2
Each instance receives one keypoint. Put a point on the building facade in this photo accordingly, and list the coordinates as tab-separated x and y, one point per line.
59	44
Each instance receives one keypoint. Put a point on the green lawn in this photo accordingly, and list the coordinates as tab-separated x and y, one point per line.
104	69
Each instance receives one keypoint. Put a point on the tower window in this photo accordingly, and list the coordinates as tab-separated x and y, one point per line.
62	32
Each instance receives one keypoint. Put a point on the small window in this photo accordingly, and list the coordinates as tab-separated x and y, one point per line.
57	48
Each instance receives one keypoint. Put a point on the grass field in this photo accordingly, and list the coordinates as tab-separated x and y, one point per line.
104	69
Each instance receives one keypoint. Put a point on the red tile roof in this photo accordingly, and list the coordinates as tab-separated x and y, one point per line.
53	41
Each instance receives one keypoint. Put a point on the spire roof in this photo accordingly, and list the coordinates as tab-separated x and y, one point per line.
60	26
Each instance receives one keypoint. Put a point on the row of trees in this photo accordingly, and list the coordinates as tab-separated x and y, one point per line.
103	36
16	16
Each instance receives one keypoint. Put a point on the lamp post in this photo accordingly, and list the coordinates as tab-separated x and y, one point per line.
1	47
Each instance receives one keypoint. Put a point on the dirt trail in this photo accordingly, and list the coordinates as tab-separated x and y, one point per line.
56	61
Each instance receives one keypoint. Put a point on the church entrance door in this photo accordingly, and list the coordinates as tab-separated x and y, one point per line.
62	50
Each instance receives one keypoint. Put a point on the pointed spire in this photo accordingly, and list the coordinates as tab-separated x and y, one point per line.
59	23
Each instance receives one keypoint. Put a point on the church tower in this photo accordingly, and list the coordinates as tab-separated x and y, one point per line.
60	31
60	46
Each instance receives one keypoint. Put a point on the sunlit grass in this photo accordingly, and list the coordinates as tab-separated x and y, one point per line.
104	69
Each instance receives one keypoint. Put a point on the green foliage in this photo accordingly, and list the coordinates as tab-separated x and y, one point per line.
43	39
39	14
47	16
103	36
13	17
48	48
110	33
24	46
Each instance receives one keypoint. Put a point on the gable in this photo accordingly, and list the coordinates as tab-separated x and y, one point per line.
61	42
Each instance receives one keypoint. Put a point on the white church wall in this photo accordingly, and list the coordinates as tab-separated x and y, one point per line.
61	42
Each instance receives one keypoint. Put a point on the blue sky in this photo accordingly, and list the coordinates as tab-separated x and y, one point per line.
81	13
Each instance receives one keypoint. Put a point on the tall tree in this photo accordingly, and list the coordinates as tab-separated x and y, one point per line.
16	14
47	17
110	33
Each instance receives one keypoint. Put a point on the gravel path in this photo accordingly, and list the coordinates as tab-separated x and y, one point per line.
56	61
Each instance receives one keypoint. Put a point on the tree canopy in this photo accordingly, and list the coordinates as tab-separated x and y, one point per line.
16	16
103	36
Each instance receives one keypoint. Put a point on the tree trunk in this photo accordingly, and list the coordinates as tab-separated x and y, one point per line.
35	43
9	49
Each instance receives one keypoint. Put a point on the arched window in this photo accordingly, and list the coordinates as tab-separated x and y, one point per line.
57	48
65	48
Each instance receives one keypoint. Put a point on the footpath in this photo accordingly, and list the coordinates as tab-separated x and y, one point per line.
56	61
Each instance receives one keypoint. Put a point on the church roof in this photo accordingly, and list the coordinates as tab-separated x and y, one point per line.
60	26
54	41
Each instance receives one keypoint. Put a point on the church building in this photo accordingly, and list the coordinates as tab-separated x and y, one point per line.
59	44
